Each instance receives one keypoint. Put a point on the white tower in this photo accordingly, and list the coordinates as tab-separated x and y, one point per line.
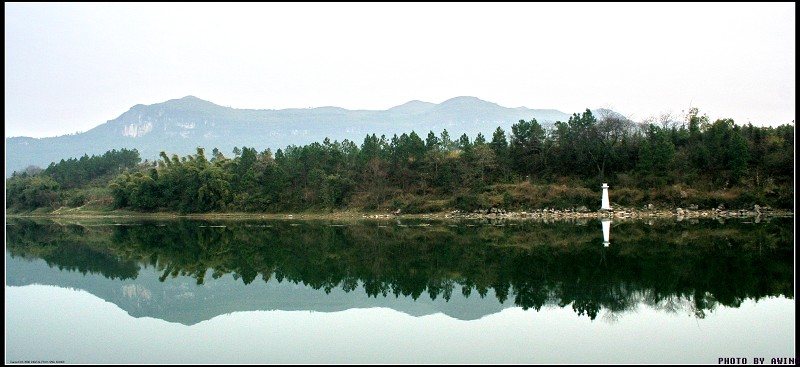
604	205
606	231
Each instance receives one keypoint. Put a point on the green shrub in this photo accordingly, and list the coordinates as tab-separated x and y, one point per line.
76	199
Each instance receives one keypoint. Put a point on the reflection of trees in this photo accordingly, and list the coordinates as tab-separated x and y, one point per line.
669	266
68	248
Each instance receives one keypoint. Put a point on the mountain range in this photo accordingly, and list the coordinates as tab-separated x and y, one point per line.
179	126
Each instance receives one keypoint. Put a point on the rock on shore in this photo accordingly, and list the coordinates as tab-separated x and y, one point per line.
647	212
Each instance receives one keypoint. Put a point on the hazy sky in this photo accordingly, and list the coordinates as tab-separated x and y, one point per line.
71	67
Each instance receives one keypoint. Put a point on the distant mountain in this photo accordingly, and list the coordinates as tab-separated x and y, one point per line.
179	126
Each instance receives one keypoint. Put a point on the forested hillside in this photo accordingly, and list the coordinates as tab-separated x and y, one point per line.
696	162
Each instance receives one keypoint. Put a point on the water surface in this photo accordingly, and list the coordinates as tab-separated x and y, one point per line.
400	291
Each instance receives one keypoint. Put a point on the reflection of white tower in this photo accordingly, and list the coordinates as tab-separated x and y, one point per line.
606	231
605	205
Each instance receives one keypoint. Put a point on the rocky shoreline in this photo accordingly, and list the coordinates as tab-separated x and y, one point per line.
621	213
495	213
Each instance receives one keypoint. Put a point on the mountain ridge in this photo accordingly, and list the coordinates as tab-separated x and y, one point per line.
179	126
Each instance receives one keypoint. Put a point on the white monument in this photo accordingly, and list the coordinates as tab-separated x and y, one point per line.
605	205
606	231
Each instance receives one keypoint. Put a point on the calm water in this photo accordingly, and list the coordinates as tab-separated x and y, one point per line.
399	291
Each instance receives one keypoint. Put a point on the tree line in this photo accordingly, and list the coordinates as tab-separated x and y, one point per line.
65	182
653	161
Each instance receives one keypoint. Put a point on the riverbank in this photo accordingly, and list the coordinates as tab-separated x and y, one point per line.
547	214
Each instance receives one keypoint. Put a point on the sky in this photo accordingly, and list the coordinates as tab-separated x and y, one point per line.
70	67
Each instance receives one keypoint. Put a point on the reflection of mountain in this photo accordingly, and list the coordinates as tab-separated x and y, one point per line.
182	300
188	271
